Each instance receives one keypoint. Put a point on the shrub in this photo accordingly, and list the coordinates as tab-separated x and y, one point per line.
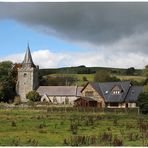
143	102
13	124
33	96
85	79
117	142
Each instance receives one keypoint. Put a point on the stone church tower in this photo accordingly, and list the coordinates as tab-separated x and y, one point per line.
27	76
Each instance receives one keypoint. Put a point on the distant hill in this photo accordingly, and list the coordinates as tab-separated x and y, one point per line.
86	70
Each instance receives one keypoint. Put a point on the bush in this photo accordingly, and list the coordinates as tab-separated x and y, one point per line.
33	96
104	76
143	102
85	79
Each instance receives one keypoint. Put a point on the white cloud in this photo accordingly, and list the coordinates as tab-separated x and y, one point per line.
48	59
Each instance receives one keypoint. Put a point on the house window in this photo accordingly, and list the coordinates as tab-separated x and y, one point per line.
114	104
89	93
55	100
66	100
116	92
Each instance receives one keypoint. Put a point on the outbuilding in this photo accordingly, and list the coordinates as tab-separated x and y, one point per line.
85	102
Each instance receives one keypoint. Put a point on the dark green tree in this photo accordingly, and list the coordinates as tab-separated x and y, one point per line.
7	81
145	71
130	71
33	96
85	78
143	102
104	76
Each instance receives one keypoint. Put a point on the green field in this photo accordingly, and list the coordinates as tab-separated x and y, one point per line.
136	78
22	127
90	77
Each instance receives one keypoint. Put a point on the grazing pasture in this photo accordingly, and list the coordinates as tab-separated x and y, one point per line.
90	77
32	127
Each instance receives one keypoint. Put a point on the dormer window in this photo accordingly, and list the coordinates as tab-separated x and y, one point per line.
116	92
132	92
106	92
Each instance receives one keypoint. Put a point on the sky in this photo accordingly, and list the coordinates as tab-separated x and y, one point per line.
61	34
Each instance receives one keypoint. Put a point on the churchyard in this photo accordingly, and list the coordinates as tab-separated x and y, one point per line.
61	127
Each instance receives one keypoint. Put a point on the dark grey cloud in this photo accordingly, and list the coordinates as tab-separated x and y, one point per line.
95	23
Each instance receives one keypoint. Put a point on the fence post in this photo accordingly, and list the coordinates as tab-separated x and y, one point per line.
138	111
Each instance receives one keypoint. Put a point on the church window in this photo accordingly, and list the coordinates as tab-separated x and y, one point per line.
55	100
66	100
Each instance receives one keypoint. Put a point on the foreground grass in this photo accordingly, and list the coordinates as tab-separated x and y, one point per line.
41	128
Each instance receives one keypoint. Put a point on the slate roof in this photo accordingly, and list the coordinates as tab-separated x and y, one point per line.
28	62
59	90
105	90
79	91
133	93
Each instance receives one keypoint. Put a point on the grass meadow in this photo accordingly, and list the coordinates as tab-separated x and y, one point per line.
31	127
90	77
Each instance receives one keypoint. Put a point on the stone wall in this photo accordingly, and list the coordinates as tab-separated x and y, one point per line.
96	95
27	81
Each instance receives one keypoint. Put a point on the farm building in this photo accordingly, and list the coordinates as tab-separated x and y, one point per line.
59	94
85	102
113	94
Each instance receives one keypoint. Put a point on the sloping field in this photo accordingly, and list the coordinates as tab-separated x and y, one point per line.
41	128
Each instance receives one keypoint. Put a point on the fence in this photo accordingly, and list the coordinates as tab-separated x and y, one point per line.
49	108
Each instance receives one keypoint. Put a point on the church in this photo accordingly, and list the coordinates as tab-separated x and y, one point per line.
28	81
120	94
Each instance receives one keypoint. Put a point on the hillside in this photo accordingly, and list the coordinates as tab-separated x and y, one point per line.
86	70
81	75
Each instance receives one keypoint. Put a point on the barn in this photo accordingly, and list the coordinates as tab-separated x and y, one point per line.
85	102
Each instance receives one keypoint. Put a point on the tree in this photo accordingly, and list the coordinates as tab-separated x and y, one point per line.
143	102
7	81
130	71
146	71
84	78
104	76
33	96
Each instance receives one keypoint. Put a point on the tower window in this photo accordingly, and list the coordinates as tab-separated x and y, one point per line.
25	74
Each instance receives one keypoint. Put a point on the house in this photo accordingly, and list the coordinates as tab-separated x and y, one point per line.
113	94
59	94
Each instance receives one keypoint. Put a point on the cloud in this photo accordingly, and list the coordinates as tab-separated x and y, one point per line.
43	58
48	59
96	23
117	33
